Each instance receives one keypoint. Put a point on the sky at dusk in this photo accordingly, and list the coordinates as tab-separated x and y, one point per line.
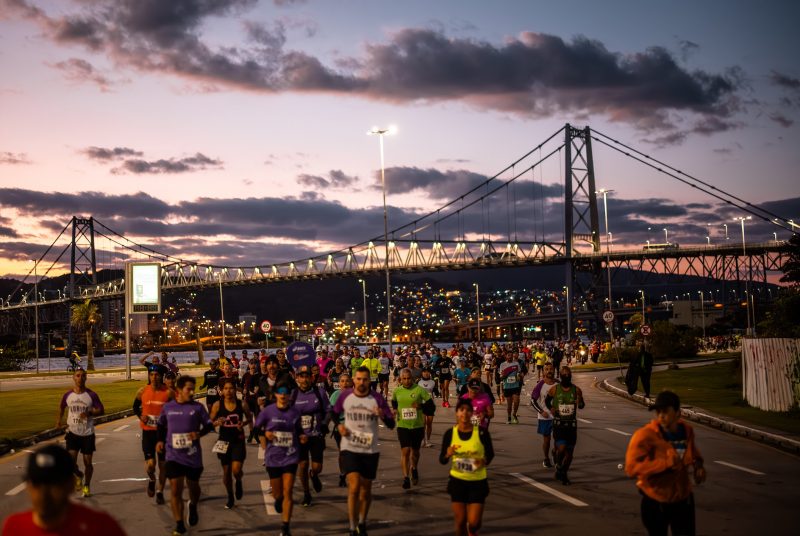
234	131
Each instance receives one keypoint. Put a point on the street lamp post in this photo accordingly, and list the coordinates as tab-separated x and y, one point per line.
703	312
642	293
750	327
725	225
666	236
364	295
380	132
478	309
708	239
221	311
608	243
36	309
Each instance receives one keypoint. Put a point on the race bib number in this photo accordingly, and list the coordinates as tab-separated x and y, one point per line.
220	447
475	420
464	465
181	441
151	420
212	391
282	439
444	370
511	378
565	410
307	421
487	367
362	439
408	414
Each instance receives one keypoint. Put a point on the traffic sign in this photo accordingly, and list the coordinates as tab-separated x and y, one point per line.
266	325
646	330
319	332
608	316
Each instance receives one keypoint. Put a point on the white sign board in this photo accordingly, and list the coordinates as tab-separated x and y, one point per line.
319	332
143	287
608	316
266	326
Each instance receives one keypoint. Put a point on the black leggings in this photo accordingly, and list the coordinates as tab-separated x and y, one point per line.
659	517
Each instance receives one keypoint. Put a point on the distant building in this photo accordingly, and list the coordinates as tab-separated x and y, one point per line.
690	313
249	321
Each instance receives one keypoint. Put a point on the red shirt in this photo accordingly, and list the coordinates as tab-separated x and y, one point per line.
80	521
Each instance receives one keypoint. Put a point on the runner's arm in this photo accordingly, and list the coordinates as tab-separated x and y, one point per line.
143	359
429	408
488	449
447	438
581	403
97	407
535	395
386	412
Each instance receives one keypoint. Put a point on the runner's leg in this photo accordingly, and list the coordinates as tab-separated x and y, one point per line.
474	517
460	518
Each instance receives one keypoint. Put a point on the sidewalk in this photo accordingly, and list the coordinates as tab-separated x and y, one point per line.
786	441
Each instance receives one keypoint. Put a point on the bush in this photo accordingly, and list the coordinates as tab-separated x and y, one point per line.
15	357
625	355
672	342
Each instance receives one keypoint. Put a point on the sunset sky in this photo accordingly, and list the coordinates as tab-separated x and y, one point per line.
234	132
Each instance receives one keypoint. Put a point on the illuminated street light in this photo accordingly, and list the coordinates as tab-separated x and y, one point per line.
750	327
364	295
478	309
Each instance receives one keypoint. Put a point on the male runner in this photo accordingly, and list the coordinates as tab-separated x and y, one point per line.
344	383
314	417
210	381
511	373
383	375
563	401
545	417
361	409
411	403
147	405
444	367
181	425
83	406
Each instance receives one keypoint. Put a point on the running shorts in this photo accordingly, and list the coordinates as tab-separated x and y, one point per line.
237	452
545	427
149	440
565	436
511	392
279	471
178	470
410	437
365	465
82	444
314	447
383	377
466	491
446	376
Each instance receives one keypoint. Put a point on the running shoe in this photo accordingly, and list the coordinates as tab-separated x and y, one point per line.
406	483
306	499
362	529
565	479
159	497
547	464
151	487
239	490
78	483
508	421
193	517
514	420
285	531
354	533
445	404
414	476
279	505
179	529
229	504
86	491
316	483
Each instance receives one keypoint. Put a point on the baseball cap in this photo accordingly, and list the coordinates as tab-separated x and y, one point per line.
50	464
474	382
664	400
303	370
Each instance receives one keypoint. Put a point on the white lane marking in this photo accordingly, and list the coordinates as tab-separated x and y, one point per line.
16	489
99	440
121	428
269	502
587	421
620	432
739	467
125	480
547	489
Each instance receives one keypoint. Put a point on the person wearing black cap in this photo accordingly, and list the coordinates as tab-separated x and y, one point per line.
660	455
49	481
211	379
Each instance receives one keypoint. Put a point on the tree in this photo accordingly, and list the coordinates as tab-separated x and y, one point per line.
791	270
85	316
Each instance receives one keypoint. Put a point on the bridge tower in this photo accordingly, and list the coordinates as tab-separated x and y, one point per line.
83	265
581	222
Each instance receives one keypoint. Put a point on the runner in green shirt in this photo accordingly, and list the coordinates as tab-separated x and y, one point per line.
411	403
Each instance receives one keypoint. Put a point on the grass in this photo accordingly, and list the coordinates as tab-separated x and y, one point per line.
25	413
718	388
134	368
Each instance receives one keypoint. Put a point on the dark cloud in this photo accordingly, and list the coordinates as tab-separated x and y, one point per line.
781	119
335	179
8	232
13	158
533	74
785	81
198	162
81	71
33	203
103	153
687	48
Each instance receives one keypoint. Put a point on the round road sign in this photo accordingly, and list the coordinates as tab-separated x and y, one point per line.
608	316
266	326
645	330
319	332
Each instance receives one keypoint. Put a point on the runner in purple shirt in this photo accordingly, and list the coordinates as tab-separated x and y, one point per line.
282	438
181	425
314	410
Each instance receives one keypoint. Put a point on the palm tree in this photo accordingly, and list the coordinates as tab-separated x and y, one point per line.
84	317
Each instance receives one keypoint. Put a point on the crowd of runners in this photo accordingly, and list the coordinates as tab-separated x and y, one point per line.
290	411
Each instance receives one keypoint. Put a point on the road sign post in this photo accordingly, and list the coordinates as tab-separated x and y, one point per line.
608	317
266	326
646	330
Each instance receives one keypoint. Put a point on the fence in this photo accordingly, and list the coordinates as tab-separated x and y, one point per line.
771	373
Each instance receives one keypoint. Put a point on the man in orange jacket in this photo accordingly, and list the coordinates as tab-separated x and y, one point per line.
659	456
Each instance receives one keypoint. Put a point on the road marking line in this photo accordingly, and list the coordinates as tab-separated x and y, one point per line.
121	428
563	496
620	432
99	440
16	489
740	468
587	421
126	480
269	502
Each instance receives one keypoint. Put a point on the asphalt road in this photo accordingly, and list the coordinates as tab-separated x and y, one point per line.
750	487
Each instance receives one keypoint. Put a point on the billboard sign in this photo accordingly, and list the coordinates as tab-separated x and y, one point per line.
143	287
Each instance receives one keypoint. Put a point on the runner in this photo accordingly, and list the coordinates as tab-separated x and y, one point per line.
462	375
482	404
231	415
545	417
659	456
374	366
428	384
345	382
361	409
181	425
383	375
250	393
169	382
412	404
147	406
282	438
315	414
511	373
210	381
82	406
444	366
563	401
489	366
541	358
469	449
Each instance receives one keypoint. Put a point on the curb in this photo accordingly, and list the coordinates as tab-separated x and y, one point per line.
781	442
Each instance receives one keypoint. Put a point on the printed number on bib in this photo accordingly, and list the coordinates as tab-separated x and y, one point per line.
362	439
212	391
565	410
475	420
220	447
181	441
408	414
152	420
307	421
511	378
465	465
282	439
